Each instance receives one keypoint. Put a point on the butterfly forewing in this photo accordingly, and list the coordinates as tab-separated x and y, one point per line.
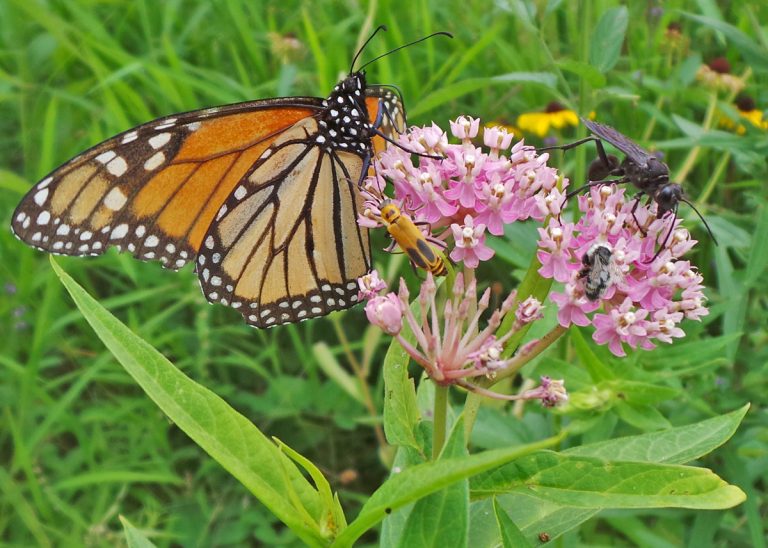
153	190
286	245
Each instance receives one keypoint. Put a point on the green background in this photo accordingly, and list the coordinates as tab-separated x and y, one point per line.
80	444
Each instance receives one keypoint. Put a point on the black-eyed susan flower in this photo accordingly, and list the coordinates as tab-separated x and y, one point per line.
554	116
745	106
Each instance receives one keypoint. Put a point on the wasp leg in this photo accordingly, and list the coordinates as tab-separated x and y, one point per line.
634	208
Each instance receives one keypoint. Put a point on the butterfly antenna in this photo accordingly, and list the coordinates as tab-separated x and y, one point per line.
441	33
354	59
709	230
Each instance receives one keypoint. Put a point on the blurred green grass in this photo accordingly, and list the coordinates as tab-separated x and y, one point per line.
81	444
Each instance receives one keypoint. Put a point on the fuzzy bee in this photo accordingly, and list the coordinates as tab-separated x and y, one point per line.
598	271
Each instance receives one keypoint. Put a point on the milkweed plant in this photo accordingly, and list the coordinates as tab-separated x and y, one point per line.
469	339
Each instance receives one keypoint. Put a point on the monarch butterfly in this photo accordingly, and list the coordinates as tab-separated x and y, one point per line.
410	239
262	195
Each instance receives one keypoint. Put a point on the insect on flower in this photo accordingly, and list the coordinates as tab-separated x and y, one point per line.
411	239
639	167
262	196
599	271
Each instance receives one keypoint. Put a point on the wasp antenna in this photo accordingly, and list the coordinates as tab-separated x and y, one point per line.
440	33
703	220
374	33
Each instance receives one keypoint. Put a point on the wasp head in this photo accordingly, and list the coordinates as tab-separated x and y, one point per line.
667	197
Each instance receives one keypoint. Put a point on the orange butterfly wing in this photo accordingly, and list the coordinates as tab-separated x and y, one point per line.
155	189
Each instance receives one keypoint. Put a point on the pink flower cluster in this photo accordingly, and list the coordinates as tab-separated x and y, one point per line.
465	187
646	298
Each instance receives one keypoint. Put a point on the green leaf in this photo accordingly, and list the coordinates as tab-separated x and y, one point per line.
133	537
597	370
401	413
469	85
442	518
642	417
586	482
674	446
511	536
758	254
421	480
607	39
587	72
755	53
231	439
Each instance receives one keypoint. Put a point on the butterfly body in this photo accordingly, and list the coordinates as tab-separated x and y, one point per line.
262	196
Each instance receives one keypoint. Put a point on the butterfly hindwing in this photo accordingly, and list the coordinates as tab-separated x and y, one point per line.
153	190
285	245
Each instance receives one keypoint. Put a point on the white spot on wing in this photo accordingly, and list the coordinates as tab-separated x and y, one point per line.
117	167
43	218
119	232
105	157
240	192
44	183
159	140
115	199
151	241
41	196
155	161
130	137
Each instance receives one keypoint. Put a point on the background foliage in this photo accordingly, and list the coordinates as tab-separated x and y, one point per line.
80	444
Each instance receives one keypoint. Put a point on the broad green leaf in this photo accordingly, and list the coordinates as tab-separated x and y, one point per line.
587	482
640	392
534	516
592	75
674	446
607	39
511	536
133	537
401	414
442	518
642	417
222	432
419	481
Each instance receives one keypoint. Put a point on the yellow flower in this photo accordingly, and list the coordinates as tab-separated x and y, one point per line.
555	116
747	111
717	75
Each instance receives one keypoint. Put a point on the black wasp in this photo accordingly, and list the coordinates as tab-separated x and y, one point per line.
639	167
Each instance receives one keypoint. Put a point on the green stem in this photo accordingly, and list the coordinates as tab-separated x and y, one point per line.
440	418
714	179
